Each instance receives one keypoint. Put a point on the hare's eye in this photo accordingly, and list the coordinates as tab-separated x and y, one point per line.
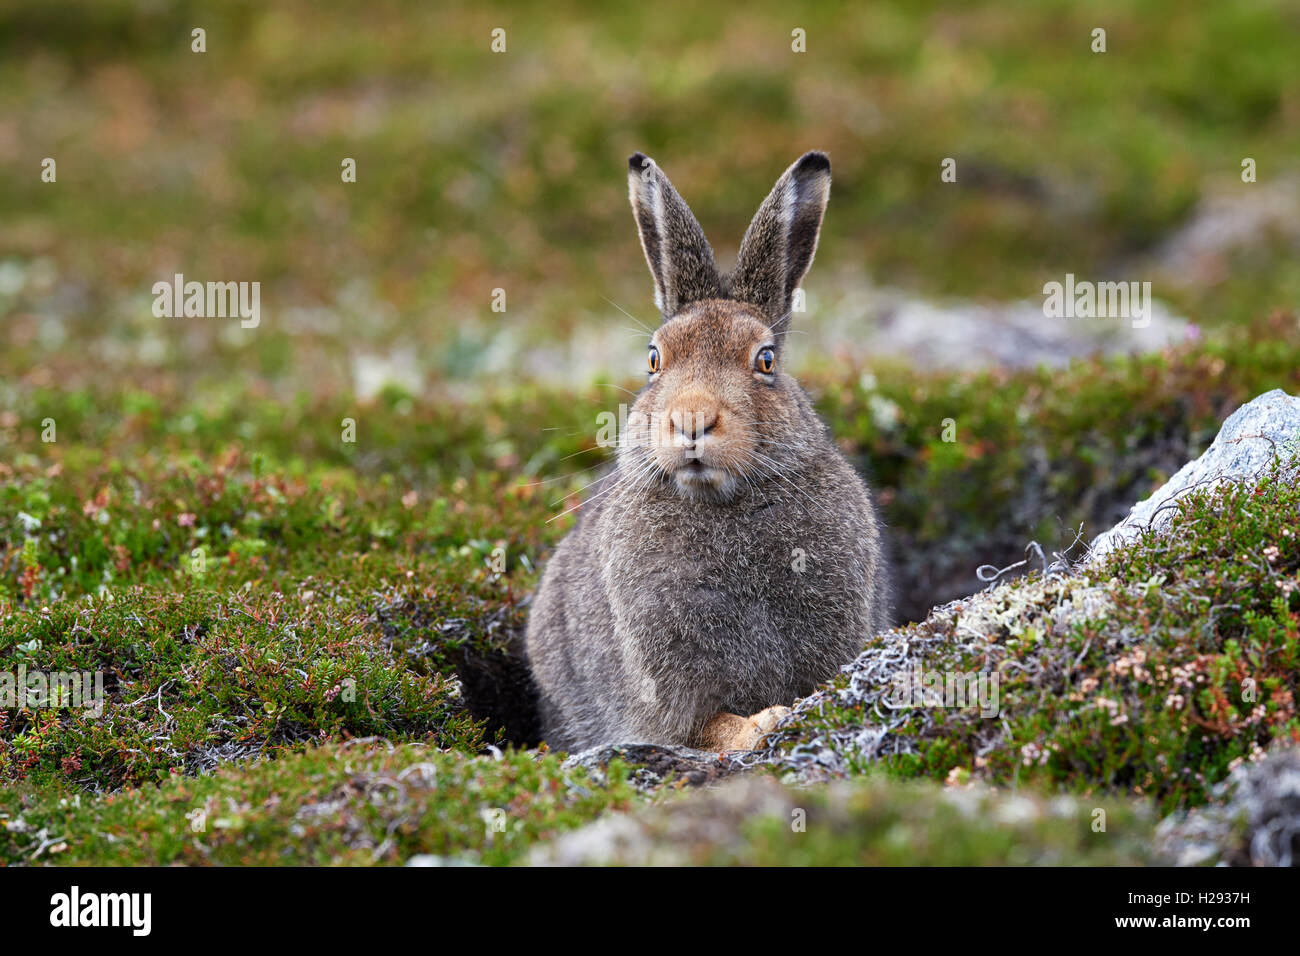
654	360
765	361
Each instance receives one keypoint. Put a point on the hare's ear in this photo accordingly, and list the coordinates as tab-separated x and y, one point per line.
779	244
675	248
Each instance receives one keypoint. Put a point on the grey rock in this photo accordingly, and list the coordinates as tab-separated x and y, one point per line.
857	321
1226	221
1262	431
860	321
1253	818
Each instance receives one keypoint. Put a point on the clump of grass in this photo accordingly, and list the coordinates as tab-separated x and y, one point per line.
233	518
357	803
1153	674
1200	650
194	680
233	609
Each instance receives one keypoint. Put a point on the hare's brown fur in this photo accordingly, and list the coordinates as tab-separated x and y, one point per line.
732	560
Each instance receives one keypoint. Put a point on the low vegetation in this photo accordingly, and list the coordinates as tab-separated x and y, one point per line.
1153	673
253	613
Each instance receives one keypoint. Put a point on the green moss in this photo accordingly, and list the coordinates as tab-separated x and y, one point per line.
356	803
192	679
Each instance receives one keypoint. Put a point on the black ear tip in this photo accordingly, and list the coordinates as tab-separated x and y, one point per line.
637	162
813	162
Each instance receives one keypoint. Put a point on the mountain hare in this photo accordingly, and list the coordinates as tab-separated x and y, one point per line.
732	560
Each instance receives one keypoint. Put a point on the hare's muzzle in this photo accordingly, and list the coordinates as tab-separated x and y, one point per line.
692	426
691	429
692	445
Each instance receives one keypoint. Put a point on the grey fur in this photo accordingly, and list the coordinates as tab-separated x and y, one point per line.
743	584
679	256
780	243
775	253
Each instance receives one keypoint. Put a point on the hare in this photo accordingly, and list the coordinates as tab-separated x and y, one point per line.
732	558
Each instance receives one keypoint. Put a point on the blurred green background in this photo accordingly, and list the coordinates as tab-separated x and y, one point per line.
481	170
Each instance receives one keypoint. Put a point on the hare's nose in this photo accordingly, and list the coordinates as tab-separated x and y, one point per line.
693	424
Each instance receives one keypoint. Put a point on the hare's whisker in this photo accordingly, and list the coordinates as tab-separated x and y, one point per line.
644	327
619	387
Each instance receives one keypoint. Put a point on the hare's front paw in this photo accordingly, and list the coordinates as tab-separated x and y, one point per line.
733	732
769	718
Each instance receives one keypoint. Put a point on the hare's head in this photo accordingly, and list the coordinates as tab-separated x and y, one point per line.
719	410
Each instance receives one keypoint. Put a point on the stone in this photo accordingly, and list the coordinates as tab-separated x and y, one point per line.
1262	431
1253	818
